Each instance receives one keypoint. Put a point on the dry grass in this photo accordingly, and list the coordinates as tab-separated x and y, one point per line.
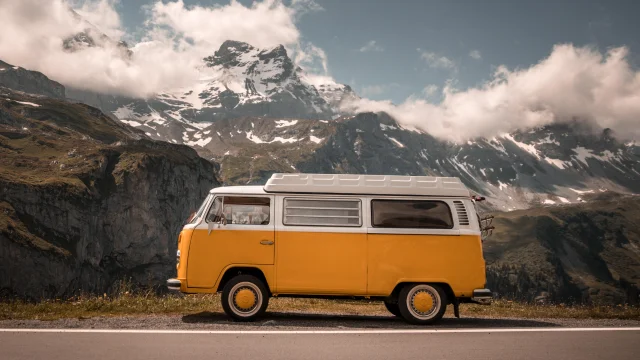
143	304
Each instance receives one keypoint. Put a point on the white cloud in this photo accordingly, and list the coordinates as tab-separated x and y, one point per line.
371	46
430	90
302	7
475	54
310	58
174	40
571	83
437	61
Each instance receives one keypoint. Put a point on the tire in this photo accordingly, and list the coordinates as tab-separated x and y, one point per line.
393	308
245	298
422	304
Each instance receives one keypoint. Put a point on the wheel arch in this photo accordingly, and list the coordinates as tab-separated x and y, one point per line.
233	271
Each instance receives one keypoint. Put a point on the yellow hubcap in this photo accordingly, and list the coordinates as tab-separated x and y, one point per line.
245	299
423	302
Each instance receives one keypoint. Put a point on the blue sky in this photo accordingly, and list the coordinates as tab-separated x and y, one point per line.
513	33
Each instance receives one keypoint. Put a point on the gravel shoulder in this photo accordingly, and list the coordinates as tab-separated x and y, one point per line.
301	321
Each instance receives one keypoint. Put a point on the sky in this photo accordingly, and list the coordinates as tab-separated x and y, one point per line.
456	69
373	45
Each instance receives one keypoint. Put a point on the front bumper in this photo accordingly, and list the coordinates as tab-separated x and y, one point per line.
173	284
482	296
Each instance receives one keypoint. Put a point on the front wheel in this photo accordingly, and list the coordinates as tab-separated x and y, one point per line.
245	298
422	303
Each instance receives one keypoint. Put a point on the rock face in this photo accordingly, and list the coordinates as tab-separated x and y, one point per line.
33	82
585	253
86	201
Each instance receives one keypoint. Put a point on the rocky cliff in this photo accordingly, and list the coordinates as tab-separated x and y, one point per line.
585	253
86	201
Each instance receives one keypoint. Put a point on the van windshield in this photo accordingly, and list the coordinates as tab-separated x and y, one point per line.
201	209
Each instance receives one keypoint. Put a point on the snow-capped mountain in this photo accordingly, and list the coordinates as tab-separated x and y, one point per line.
550	165
255	112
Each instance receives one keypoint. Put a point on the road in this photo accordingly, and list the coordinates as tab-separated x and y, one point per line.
503	343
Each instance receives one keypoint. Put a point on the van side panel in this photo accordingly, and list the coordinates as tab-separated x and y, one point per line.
321	263
209	254
453	259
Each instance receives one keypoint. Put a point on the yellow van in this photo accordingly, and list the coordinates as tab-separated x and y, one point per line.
413	242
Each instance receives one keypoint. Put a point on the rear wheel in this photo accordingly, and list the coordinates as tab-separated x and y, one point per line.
422	303
393	308
245	298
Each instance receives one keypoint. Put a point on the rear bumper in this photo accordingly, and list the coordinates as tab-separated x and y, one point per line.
482	296
173	284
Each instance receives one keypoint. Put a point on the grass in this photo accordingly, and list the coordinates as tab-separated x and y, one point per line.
146	304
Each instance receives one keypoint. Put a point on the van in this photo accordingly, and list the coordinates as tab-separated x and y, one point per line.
413	242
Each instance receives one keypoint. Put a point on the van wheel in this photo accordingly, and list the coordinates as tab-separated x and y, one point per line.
422	303
245	298
393	308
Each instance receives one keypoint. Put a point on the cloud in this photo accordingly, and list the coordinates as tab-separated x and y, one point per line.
475	54
174	39
572	83
303	7
310	58
436	61
371	46
430	90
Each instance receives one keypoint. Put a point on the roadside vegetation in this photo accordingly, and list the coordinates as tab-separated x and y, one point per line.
128	303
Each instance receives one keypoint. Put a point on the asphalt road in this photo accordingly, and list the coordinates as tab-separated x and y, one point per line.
565	343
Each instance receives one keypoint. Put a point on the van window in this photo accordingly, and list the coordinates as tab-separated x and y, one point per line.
241	210
322	212
201	210
425	214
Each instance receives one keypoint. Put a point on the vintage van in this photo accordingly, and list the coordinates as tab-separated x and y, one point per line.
413	242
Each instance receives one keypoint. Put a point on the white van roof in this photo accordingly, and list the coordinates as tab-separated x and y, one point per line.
366	184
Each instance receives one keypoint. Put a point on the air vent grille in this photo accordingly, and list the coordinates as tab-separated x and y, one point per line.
463	217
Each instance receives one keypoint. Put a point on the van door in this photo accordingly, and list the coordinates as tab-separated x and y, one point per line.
322	246
238	230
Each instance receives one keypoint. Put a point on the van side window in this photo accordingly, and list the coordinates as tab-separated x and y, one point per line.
241	210
425	214
322	212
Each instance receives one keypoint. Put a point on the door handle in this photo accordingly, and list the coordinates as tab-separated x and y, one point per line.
266	242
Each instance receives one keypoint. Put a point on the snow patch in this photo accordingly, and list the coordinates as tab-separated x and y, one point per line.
315	139
549	202
131	123
582	191
526	147
564	200
396	142
201	142
556	162
285	123
254	138
384	127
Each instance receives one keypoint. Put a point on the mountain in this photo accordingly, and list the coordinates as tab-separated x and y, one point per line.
554	164
585	253
256	113
85	200
237	80
34	82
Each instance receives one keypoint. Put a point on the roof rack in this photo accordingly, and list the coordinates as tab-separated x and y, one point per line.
366	184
